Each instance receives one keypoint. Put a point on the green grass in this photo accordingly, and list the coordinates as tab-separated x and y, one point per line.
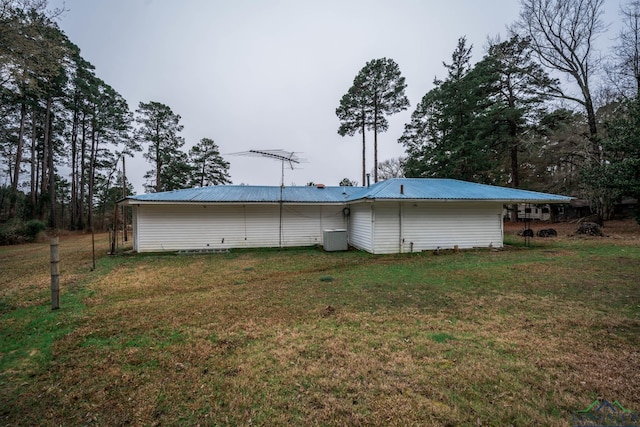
441	337
522	336
27	334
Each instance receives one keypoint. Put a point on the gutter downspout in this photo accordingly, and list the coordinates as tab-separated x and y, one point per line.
281	202
400	238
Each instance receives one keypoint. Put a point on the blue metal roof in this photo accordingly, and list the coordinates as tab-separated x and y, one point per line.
392	189
451	189
250	194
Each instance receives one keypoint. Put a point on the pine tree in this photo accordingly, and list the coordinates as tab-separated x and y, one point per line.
519	91
159	128
377	91
471	125
209	166
443	139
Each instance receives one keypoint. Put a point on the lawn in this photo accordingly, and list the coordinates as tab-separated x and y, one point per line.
520	336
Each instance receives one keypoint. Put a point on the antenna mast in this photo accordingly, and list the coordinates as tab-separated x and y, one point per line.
288	157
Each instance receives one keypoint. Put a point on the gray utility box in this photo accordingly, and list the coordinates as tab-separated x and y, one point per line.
335	240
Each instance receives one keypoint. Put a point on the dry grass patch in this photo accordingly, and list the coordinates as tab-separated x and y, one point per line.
25	268
523	336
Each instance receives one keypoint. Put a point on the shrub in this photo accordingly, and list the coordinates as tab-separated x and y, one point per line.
10	233
590	228
17	232
33	227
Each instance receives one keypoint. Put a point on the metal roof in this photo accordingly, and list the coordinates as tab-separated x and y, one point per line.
451	189
392	189
249	194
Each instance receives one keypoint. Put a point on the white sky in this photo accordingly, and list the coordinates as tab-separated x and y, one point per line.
269	74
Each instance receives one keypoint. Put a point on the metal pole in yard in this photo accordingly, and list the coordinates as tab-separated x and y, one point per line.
280	230
55	274
124	207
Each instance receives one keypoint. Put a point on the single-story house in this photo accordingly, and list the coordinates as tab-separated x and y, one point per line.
393	216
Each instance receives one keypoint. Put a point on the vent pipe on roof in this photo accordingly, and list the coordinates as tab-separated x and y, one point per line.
368	180
401	189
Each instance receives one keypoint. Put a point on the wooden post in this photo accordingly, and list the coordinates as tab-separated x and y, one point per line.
93	249
55	274
114	238
114	242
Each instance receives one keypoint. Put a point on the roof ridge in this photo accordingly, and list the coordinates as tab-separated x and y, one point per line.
391	189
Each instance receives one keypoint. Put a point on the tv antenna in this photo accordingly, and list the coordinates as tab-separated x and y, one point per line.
288	157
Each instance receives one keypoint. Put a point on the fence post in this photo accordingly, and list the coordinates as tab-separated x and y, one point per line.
55	274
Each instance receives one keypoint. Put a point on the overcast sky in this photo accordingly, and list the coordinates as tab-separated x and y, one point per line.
269	74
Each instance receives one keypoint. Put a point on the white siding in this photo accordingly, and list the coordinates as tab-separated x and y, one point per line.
360	226
176	227
436	224
386	227
134	221
303	225
379	227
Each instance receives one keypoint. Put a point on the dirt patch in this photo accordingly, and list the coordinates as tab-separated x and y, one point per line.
616	229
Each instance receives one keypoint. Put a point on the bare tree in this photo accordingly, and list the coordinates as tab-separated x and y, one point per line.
627	52
562	34
390	168
346	182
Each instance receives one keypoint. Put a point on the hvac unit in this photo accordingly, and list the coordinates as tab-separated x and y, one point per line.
335	240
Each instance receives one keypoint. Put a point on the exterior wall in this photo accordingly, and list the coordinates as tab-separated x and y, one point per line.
304	225
386	227
134	224
433	225
392	227
380	227
180	227
360	232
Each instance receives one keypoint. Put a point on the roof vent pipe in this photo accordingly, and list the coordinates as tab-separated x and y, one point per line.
368	180
401	189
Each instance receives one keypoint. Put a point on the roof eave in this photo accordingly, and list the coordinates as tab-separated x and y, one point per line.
129	202
541	201
504	201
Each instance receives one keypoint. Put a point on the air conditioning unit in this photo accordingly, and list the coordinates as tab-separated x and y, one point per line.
335	240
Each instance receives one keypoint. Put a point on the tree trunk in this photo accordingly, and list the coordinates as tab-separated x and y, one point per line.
375	139
73	214
34	175
92	160
124	207
364	152
593	129
158	176
158	161
51	175
515	177
515	166
202	176
83	175
44	165
18	161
